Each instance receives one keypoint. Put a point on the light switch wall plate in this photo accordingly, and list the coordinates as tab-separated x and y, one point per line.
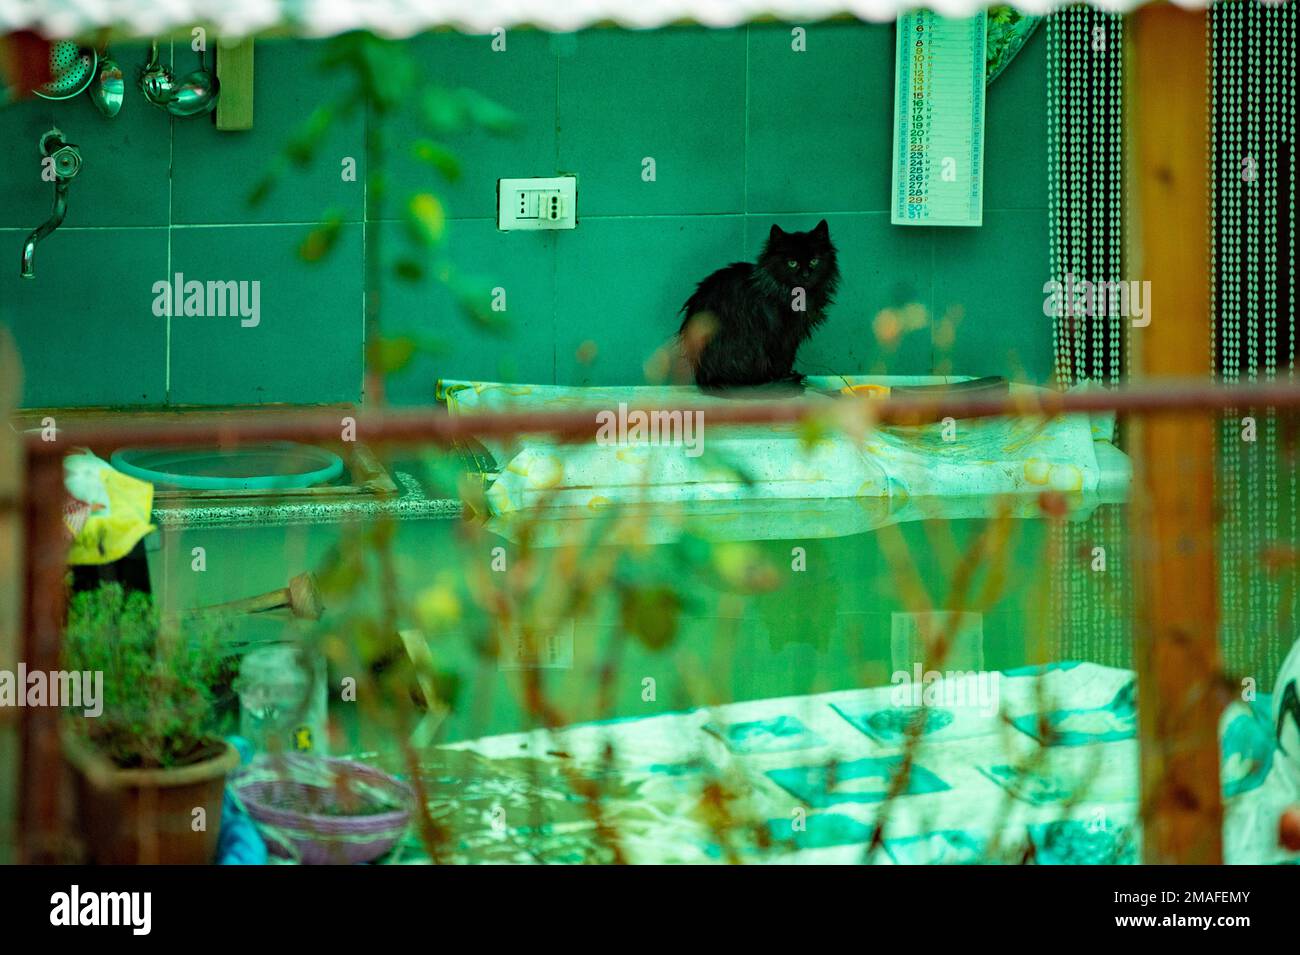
550	648
530	204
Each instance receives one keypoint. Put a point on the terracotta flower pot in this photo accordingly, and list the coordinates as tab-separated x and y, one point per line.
146	816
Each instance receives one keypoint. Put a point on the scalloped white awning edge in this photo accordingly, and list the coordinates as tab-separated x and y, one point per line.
147	18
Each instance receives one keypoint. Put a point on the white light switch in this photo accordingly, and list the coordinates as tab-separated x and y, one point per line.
537	203
546	648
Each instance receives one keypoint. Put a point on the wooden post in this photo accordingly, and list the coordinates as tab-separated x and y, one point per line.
11	591
235	74
1173	534
46	785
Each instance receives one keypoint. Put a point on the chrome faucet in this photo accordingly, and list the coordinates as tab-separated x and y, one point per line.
63	160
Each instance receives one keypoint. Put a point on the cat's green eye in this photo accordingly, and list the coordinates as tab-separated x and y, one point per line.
793	264
812	263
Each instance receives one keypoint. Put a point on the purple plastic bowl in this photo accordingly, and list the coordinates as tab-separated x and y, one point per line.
282	793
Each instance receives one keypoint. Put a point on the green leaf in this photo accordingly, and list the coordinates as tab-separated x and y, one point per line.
475	302
393	354
438	156
377	187
650	615
263	189
442	110
812	431
321	240
487	113
388	72
425	218
408	270
302	146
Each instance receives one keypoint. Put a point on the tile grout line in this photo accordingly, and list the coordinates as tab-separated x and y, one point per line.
182	226
555	242
171	216
365	247
744	196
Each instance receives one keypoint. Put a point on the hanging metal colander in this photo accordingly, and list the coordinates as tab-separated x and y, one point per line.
72	67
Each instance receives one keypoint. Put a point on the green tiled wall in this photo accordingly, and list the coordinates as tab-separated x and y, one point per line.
743	130
158	196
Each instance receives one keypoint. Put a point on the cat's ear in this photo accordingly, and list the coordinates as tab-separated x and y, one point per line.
775	234
822	230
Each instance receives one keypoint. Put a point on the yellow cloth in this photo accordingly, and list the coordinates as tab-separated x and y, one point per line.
109	511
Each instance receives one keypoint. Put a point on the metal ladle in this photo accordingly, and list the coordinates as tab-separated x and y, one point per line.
196	93
193	95
156	80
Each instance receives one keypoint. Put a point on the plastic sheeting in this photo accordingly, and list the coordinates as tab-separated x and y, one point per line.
980	777
762	483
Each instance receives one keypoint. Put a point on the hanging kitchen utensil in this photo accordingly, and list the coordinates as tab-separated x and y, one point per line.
192	95
155	80
196	93
72	68
107	90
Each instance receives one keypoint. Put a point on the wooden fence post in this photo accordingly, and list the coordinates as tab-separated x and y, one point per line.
1173	535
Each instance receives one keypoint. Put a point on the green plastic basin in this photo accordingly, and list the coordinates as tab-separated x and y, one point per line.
256	467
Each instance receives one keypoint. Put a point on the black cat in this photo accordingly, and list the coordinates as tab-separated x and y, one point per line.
745	322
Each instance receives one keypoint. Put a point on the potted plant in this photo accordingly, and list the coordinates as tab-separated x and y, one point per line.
150	771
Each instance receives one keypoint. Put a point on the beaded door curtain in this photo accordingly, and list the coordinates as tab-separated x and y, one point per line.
1252	90
1251	93
1091	587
